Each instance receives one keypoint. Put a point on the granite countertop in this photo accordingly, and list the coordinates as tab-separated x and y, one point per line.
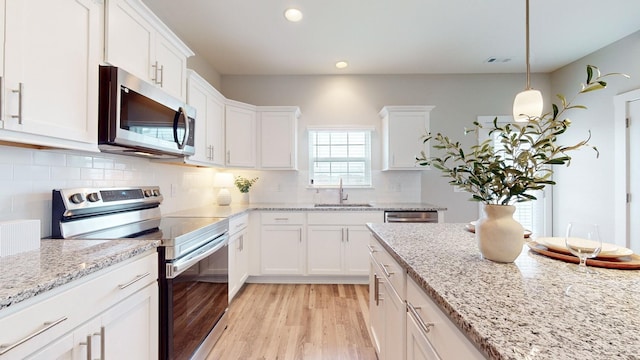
534	308
234	209
58	262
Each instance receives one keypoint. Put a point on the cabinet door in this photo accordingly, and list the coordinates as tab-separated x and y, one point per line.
376	308
238	262
209	105
418	347
356	252
240	129
130	40
198	98
50	91
130	328
172	68
282	250
278	140
325	244
215	129
394	324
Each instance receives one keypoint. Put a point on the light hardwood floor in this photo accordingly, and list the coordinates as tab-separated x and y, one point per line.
297	321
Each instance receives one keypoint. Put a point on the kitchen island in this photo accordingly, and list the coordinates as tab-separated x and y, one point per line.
534	308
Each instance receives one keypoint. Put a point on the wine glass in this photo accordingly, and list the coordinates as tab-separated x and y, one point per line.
583	240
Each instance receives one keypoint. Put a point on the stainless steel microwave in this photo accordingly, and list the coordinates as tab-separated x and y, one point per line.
140	119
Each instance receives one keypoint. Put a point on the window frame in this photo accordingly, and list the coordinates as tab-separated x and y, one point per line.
366	175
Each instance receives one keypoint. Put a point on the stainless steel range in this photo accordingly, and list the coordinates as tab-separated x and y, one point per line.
193	258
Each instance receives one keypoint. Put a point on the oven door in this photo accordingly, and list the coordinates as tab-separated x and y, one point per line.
193	299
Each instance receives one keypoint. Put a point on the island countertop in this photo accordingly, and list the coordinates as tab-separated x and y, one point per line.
534	308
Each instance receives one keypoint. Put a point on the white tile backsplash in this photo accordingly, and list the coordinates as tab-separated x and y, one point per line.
27	177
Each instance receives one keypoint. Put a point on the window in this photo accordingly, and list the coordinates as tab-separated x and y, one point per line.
340	154
532	215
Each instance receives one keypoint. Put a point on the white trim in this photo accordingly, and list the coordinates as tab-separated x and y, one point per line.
341	128
620	176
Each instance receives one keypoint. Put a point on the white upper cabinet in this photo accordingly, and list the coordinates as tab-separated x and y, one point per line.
240	131
278	129
52	50
209	104
140	43
402	128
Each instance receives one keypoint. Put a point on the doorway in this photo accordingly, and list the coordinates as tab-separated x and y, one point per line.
627	173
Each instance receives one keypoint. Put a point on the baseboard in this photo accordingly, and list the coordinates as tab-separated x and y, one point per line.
308	279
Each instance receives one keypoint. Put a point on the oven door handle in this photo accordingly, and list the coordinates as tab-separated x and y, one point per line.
175	269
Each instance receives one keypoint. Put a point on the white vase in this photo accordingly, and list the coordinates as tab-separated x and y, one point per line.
500	237
244	198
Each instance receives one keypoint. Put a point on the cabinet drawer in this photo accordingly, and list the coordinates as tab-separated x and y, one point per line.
63	309
283	218
447	340
344	218
238	223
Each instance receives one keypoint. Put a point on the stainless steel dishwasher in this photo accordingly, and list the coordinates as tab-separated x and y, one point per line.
411	216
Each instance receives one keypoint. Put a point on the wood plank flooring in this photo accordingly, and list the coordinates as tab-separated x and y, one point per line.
297	321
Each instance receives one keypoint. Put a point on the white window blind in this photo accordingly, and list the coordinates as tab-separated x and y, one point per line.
340	154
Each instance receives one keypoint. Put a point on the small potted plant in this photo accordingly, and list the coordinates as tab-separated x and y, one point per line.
499	178
244	184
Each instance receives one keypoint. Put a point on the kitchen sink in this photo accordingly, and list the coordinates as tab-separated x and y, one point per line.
342	205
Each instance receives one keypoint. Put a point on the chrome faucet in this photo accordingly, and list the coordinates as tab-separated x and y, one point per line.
341	193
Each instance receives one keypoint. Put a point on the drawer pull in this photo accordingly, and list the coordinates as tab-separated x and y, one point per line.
386	272
426	327
281	219
88	344
372	249
136	279
47	325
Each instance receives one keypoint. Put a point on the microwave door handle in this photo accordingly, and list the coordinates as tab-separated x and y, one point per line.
181	114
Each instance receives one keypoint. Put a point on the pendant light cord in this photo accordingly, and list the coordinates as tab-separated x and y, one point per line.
527	46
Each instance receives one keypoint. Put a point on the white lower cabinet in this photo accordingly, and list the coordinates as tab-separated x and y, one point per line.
282	243
110	314
433	335
386	304
238	253
337	242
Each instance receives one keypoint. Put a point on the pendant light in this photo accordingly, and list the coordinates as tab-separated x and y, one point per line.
527	103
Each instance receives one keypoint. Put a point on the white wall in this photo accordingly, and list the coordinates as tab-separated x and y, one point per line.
584	191
27	177
340	100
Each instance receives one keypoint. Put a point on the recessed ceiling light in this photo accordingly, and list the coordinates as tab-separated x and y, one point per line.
293	15
342	64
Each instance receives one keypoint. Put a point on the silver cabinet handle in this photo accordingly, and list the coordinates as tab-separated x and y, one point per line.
136	279
161	76
347	231
300	234
281	219
426	327
88	344
386	272
47	325
102	341
376	292
155	73
342	230
20	92
372	249
228	156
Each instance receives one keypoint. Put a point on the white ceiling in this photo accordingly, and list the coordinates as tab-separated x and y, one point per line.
395	36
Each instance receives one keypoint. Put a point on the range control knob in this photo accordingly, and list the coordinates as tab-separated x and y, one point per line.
93	197
156	192
77	198
147	193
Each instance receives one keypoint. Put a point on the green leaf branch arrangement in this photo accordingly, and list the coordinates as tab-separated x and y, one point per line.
524	156
244	184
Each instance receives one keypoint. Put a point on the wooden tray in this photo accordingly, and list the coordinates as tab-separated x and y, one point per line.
631	262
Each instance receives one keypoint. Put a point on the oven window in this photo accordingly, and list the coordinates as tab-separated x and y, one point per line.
199	299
